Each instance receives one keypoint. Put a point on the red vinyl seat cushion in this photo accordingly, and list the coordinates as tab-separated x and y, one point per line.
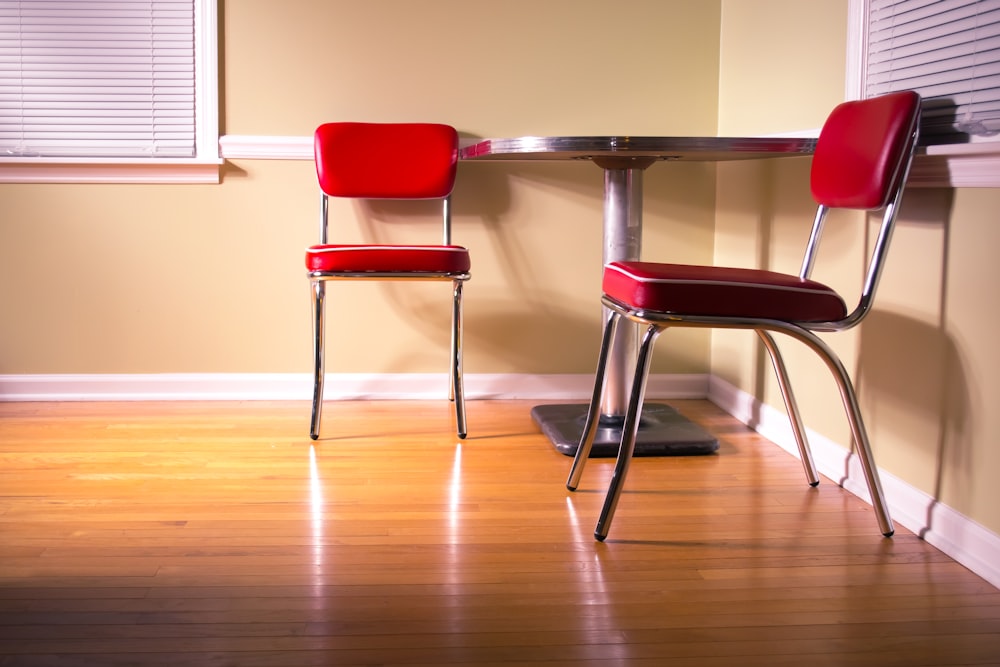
721	291
333	258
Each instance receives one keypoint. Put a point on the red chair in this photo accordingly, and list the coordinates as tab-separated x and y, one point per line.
862	160
387	161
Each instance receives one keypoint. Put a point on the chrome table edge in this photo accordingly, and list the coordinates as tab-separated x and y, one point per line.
702	149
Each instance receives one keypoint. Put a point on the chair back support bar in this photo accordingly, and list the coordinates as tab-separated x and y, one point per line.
862	161
324	219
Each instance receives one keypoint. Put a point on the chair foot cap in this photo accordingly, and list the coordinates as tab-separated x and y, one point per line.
461	436
314	436
599	537
890	533
814	484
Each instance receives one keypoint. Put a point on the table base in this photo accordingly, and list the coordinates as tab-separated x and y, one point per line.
662	431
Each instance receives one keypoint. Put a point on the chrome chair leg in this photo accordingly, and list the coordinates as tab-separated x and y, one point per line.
594	411
457	385
454	343
853	410
630	430
791	407
318	293
867	459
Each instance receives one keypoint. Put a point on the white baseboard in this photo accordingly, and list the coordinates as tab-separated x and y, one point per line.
339	386
967	542
962	539
155	387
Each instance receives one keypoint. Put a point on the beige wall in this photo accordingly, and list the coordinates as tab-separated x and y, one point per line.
925	359
134	279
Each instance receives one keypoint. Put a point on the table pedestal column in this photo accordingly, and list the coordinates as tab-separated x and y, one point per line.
662	431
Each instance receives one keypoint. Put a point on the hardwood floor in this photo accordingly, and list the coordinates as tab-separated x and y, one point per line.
219	534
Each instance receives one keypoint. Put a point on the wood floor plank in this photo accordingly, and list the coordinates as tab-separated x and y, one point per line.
219	534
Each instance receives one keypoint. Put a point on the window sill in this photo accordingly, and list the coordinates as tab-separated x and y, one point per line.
955	165
49	170
262	147
974	165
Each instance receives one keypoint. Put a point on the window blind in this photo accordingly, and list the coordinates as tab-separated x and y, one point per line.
109	78
949	52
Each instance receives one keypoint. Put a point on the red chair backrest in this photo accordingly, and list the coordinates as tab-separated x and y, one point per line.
386	160
863	150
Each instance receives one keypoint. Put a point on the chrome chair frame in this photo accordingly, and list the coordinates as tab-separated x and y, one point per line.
656	322
318	279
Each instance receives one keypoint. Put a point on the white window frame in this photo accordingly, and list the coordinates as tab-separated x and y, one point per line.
947	165
204	168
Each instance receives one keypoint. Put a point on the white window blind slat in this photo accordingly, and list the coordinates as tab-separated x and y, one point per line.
903	21
932	47
940	84
949	52
109	78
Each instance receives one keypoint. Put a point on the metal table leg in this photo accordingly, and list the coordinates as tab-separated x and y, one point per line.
662	431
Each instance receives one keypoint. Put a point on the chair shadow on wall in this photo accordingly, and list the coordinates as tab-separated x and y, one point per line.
518	323
509	315
912	365
916	366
